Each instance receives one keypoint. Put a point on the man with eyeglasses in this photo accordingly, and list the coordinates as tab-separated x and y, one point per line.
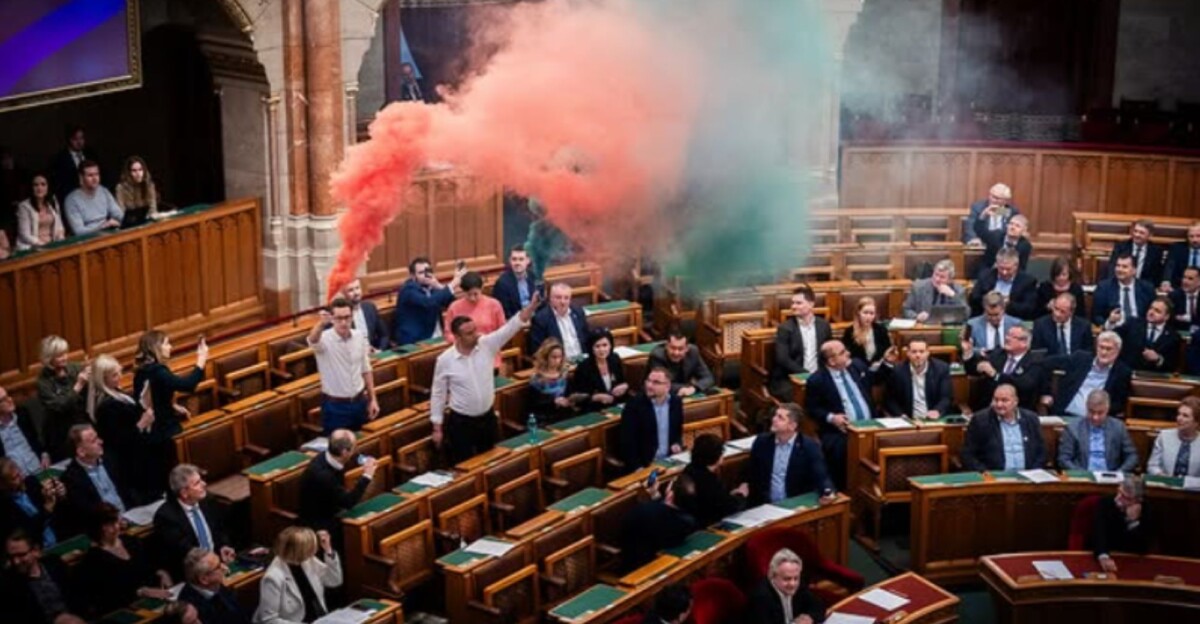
421	301
32	588
344	363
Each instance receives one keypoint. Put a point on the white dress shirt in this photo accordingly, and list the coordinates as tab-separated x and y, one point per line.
920	408
808	335
570	340
342	362
464	382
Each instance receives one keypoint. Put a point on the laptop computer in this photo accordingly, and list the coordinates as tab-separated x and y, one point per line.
135	217
948	314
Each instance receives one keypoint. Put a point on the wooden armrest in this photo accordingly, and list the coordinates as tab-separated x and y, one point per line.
607	549
742	430
284	514
614	462
447	535
869	465
256	450
312	428
955	464
556	581
228	392
556	482
379	559
282	374
503	508
515	427
492	611
249	371
406	468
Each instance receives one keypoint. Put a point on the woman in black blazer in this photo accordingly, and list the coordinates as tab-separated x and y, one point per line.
123	423
115	571
866	339
154	377
1063	279
601	376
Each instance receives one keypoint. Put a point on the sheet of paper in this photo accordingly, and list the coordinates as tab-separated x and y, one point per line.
742	444
433	479
142	516
1039	475
1108	476
884	599
846	618
345	615
894	423
316	445
627	352
1191	483
175	590
492	547
759	515
1051	420
1053	570
684	457
902	324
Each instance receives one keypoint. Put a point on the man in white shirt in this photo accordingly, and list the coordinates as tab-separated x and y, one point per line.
463	383
344	363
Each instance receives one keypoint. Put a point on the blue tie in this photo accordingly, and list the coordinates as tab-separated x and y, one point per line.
201	530
1195	257
856	407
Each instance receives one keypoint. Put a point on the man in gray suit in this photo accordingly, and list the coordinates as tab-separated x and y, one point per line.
939	290
1097	442
989	329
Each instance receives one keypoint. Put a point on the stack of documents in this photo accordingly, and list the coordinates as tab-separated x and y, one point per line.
433	479
1053	570
489	546
884	599
144	515
758	515
741	444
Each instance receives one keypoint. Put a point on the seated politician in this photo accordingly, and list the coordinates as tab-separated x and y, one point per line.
1180	256
783	463
987	330
601	377
659	523
517	283
689	374
1176	452
562	321
1084	372
798	343
1121	524
936	290
1185	301
1014	365
1019	288
866	337
1003	436
1062	332
1122	295
838	395
1063	279
995	211
782	597
1147	255
713	500
1097	442
919	388
1150	344
652	423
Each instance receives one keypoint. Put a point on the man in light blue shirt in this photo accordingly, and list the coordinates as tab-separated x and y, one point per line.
90	479
1097	442
779	466
18	441
662	423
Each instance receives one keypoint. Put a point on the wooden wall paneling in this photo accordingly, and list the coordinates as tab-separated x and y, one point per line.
10	355
1185	192
442	221
1017	169
1070	183
53	303
873	177
940	178
1136	185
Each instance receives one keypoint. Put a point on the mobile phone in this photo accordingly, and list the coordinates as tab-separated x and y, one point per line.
461	264
361	459
652	480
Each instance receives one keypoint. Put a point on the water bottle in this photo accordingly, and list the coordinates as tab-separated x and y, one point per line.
531	426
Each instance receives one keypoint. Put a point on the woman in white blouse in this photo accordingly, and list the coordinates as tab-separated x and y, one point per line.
1177	451
293	587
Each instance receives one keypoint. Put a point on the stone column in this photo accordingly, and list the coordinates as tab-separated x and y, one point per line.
840	15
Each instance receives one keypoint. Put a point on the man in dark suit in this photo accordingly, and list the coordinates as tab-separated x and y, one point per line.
412	88
516	285
994	211
1004	436
1019	288
1012	238
1151	344
672	605
28	503
366	316
1147	255
421	301
1097	442
1121	294
1084	373
1013	365
1185	301
919	388
659	523
1061	332
838	395
323	493
682	361
1182	255
646	418
562	321
798	343
204	588
187	520
781	598
33	588
713	500
64	165
801	468
90	479
1120	524
18	437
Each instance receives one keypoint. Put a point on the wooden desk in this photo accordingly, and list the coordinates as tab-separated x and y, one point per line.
929	604
1138	592
263	478
959	517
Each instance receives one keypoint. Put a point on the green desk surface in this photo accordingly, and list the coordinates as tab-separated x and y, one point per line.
379	355
375	505
280	462
697	542
1084	475
73	546
801	377
461	556
366	603
617	304
1008	475
615	409
950	335
868	423
123	616
502	382
646	347
812	499
1175	482
239	567
954	478
594	598
580	422
526	439
583	498
148	604
408	487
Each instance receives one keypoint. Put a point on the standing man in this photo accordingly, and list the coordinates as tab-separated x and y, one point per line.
516	285
1012	238
421	301
560	320
64	166
689	374
91	208
798	343
366	316
996	210
463	382
344	362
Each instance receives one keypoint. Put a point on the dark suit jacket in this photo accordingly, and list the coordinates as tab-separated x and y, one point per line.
790	352
1031	377
1154	254
822	398
418	312
1045	335
1046	294
993	241
649	528
983	444
879	333
323	494
20	605
1111	534
25	424
13	517
898	400
1108	297
766	607
1074	447
174	536
545	325
1022	297
713	500
639	430
1134	341
690	371
1076	367
1179	307
82	496
163	386
506	292
1191	364
222	608
976	209
1178	259
586	379
805	470
377	331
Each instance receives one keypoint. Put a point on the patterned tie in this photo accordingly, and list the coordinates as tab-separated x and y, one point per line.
1181	460
855	402
1065	347
1010	365
1126	303
201	530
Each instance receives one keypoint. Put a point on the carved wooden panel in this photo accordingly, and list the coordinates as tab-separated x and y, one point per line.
51	303
10	355
116	295
1136	185
940	179
1185	196
873	177
1069	183
1016	169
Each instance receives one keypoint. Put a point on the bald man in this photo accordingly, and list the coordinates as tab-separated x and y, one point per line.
1004	436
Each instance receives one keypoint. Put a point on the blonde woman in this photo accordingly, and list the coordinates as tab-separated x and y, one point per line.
293	587
549	400
60	388
121	421
866	338
154	381
136	190
39	220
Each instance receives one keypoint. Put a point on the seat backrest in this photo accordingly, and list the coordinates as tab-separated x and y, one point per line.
505	471
607	517
416	458
575	564
271	427
202	399
231	362
562	535
517	596
579	471
718	426
420	370
893	439
468	520
394	520
564	447
525	496
215	448
497	568
716	600
413	551
1082	519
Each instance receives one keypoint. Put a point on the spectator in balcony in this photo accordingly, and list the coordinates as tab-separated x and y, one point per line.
1063	279
1147	255
995	211
411	89
136	191
866	337
64	166
60	388
91	208
39	221
155	384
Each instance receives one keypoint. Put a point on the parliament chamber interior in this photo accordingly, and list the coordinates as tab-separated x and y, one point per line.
336	361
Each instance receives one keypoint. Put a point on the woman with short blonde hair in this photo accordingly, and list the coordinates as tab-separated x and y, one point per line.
60	388
293	587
